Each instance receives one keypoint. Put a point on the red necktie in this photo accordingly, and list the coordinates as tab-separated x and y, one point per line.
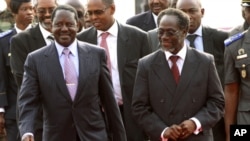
70	73
105	45
174	68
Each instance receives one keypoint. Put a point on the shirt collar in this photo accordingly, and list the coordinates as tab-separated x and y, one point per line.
18	30
113	30
197	32
45	33
72	48
182	53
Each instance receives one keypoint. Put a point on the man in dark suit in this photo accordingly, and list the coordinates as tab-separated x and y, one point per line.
147	20
33	39
76	115
208	40
30	40
126	44
178	99
8	87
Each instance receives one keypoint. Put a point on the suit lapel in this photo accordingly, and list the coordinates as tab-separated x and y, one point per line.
207	40
190	67
37	37
84	60
149	21
55	69
163	72
122	49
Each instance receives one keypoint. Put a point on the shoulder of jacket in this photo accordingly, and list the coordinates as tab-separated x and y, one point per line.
3	34
234	38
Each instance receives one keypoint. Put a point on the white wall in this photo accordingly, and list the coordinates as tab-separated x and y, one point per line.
222	13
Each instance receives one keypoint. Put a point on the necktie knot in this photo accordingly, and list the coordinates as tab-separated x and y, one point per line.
174	58
104	35
66	51
191	39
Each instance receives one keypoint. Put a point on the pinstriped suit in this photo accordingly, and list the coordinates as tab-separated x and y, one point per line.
44	84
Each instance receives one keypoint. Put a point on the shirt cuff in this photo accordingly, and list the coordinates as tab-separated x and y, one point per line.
198	125
27	134
2	110
162	133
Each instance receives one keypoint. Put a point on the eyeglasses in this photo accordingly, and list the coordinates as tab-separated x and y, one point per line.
168	33
97	12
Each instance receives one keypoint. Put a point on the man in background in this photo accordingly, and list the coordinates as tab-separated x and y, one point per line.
148	20
25	42
23	14
124	45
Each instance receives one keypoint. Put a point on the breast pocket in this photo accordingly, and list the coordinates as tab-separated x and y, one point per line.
243	66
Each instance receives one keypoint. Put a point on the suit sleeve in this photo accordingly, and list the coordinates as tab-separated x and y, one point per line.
3	74
109	103
141	108
18	56
28	100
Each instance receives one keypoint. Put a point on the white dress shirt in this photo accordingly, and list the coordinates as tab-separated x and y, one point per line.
198	42
45	35
112	46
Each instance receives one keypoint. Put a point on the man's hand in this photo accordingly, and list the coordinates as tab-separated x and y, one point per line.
2	122
188	127
28	138
173	132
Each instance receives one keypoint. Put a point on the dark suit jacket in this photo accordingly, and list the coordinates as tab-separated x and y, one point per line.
64	119
158	102
8	87
132	44
144	21
21	45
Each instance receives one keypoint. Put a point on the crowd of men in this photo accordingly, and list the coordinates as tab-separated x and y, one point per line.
74	72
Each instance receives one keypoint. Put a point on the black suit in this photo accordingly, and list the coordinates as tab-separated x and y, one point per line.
21	45
213	43
65	119
144	21
159	103
8	87
132	44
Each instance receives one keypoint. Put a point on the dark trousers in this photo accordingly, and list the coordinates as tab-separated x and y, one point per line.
12	130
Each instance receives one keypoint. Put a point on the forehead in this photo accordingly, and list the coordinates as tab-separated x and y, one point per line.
26	4
187	4
46	3
168	20
64	15
95	4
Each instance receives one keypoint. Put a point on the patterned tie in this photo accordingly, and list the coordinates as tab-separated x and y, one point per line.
105	45
191	39
70	73
174	68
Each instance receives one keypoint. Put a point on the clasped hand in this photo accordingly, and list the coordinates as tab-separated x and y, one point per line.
181	131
